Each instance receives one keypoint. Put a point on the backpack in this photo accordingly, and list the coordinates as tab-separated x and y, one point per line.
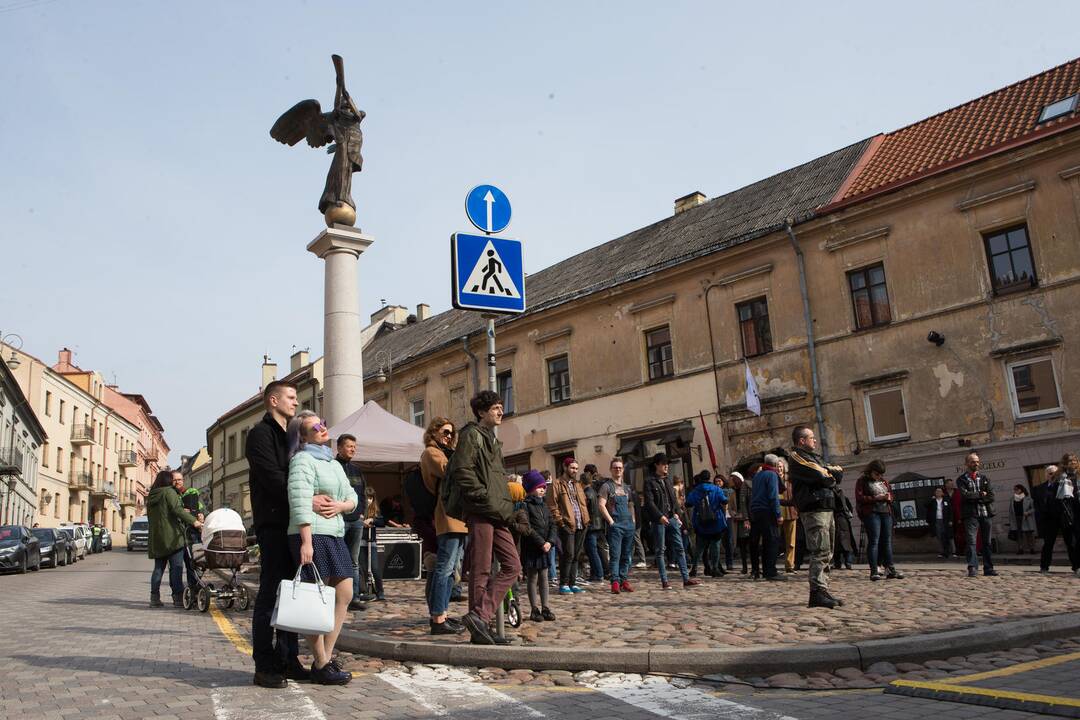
423	502
706	514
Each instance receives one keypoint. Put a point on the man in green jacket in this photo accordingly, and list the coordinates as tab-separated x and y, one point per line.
475	489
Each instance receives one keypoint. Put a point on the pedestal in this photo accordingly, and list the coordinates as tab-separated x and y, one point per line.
343	365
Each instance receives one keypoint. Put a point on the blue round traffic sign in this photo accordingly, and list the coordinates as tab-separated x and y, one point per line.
488	208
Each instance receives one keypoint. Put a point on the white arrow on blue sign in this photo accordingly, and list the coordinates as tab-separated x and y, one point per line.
488	208
488	273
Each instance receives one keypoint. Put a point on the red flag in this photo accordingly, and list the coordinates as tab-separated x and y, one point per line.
708	441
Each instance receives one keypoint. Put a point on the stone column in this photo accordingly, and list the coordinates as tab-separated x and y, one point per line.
343	367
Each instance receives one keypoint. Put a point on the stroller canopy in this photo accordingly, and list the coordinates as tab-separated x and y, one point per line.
223	519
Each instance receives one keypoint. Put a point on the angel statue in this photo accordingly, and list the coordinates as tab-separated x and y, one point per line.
306	120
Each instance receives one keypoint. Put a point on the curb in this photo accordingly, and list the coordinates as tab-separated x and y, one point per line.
763	660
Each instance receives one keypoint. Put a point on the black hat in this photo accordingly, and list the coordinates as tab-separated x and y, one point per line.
659	459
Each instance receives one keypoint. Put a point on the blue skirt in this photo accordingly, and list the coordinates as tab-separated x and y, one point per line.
331	557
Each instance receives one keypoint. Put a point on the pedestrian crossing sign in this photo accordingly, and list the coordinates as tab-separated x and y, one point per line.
488	273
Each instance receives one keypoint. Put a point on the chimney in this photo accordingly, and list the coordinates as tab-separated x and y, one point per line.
423	312
65	357
269	372
298	360
689	201
394	314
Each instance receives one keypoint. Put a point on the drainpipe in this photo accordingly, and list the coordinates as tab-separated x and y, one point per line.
472	363
809	340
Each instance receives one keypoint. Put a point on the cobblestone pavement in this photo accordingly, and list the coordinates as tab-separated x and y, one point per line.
744	612
81	642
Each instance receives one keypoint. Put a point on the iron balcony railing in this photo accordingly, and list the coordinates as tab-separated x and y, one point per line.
11	461
82	434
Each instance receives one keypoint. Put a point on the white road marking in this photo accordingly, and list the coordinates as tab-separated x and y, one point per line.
661	698
244	703
444	691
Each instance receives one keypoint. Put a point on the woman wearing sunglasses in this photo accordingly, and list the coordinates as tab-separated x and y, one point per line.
319	538
439	442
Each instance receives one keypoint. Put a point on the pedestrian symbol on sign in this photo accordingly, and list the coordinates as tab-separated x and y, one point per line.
489	276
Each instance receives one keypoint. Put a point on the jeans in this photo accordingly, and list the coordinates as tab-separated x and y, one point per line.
708	546
661	534
879	536
176	577
944	536
354	532
486	539
621	546
973	527
818	526
597	569
450	547
272	654
727	539
572	543
764	534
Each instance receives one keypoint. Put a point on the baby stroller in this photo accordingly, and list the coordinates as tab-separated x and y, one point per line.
223	547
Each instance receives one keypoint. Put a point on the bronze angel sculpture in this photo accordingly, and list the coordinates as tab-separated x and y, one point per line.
341	126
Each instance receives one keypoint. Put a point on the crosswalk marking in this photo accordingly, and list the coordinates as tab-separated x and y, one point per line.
657	696
446	691
243	703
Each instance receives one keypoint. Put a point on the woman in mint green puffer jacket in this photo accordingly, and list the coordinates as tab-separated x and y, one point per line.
319	493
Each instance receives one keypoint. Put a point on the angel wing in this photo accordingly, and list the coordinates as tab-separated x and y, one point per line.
303	120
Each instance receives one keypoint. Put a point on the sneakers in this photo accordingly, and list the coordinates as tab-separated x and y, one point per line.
478	630
535	615
821	599
576	589
269	680
178	601
640	565
155	601
894	574
991	572
328	674
547	614
566	590
626	586
357	605
615	588
875	575
691	582
665	585
972	572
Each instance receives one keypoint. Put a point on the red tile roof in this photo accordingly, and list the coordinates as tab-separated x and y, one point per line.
989	124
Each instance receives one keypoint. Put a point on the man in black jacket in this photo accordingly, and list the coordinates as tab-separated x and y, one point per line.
268	479
815	485
939	518
977	511
660	508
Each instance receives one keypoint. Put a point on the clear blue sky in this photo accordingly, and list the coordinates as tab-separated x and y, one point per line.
151	224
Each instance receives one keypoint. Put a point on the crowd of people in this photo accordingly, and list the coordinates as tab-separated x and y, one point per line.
312	509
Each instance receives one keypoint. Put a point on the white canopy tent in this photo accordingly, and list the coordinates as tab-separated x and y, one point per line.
381	437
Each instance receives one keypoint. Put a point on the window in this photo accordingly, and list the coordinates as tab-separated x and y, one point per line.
1057	109
61	412
1008	254
518	464
558	379
416	412
658	353
505	383
869	296
232	448
48	403
59	459
1033	387
243	441
754	327
885	415
45	455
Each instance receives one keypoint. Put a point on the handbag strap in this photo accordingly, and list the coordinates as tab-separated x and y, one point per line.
318	581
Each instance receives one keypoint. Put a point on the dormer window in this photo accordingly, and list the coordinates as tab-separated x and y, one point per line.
1057	109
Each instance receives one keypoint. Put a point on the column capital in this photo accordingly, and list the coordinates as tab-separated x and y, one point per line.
340	238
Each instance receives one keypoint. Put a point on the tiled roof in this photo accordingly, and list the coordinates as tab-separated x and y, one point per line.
991	123
723	222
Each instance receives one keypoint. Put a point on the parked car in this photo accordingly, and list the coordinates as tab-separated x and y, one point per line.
77	536
106	539
19	549
138	537
54	546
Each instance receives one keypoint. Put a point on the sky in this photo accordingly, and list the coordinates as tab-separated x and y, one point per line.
149	222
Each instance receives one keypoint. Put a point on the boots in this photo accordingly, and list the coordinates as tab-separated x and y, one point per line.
178	601
155	600
819	598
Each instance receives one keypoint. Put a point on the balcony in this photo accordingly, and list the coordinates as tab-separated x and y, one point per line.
11	461
82	434
128	499
127	458
103	489
80	480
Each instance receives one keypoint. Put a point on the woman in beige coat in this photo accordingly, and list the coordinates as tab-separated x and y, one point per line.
439	441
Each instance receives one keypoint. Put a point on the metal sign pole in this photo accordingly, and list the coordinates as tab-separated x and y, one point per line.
500	613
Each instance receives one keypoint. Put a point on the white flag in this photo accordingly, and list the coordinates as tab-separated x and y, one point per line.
753	401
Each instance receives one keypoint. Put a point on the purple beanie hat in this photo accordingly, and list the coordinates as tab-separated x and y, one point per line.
532	480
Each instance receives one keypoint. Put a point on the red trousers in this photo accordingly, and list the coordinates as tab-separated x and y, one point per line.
486	591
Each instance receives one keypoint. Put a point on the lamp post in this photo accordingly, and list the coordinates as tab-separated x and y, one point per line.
13	362
386	372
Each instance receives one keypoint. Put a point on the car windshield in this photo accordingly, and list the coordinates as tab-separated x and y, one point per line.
44	534
9	535
70	532
139	525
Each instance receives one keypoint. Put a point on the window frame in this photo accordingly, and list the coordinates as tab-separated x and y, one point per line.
551	388
507	401
1014	399
874	437
1015	286
669	361
751	302
868	289
422	414
1072	100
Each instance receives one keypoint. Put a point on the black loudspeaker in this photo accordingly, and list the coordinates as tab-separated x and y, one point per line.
400	560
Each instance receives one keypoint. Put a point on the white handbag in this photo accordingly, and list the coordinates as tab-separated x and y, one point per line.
305	608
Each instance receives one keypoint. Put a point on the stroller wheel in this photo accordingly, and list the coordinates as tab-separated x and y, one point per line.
189	597
243	600
225	601
204	599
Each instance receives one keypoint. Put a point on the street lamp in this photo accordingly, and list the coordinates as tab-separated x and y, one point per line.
386	371
13	362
